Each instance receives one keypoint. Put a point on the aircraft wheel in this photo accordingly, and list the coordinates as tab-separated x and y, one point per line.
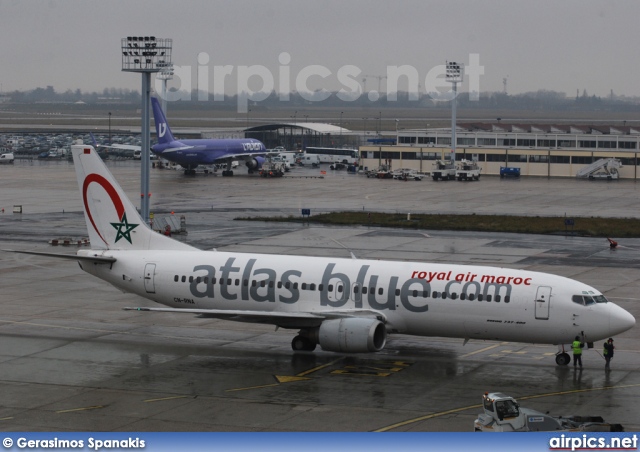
563	359
301	343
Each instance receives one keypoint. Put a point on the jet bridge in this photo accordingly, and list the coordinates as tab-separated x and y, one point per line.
601	169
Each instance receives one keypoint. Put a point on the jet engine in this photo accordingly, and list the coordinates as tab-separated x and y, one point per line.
255	163
351	335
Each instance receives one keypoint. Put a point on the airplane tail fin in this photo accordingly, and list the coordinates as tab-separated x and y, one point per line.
162	127
112	220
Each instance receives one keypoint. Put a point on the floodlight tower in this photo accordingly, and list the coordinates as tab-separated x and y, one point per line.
453	76
165	75
145	54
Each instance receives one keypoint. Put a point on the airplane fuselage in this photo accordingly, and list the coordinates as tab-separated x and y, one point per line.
413	298
194	152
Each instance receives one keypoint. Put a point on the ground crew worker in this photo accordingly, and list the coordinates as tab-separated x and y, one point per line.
608	352
577	347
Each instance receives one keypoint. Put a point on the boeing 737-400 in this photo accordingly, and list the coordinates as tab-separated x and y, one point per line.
194	152
343	305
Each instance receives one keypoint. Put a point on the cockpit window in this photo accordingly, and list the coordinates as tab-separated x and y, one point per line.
587	300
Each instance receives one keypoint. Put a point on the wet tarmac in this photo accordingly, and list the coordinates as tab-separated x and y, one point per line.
72	359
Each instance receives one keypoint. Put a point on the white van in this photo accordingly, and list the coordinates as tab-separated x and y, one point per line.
311	159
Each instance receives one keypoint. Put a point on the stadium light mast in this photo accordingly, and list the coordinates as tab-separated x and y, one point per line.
145	54
453	76
165	75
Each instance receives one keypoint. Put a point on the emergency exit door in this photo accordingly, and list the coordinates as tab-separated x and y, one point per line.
543	299
149	276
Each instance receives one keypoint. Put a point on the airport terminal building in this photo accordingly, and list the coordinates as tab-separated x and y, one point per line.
538	150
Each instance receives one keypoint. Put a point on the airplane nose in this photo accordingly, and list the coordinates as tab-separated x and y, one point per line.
620	320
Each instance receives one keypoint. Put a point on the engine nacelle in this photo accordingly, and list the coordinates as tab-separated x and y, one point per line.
255	163
351	335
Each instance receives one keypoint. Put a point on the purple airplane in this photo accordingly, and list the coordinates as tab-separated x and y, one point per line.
191	153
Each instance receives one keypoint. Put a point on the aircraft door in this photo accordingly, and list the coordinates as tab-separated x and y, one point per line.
149	278
543	299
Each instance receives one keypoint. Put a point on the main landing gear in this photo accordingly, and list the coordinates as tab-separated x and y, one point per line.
563	359
227	173
301	343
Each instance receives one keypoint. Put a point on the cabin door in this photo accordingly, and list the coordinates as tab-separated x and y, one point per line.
543	298
149	278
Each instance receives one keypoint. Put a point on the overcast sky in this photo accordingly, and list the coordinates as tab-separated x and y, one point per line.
543	44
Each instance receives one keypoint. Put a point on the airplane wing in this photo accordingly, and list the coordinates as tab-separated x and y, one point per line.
124	147
95	258
282	319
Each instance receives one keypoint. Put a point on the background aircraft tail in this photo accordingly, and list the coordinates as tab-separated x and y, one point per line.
163	131
112	220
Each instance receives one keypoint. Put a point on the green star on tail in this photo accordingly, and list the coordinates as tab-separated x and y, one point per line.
124	229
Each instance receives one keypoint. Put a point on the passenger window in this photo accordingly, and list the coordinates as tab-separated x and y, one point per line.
497	298
237	282
295	285
330	287
488	297
463	296
213	280
198	280
507	298
229	282
254	283
320	287
263	283
271	284
176	278
415	293
340	288
397	292
472	296
436	294
454	296
372	290
287	285
206	280
312	287
279	284
364	290
303	286
425	294
479	297
356	289
190	278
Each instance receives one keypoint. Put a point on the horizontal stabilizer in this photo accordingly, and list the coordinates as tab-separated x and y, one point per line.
95	258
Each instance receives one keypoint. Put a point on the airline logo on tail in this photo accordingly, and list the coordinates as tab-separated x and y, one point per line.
123	228
162	129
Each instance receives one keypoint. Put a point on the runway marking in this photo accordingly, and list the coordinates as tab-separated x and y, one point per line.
376	369
6	418
252	387
81	409
302	376
457	410
165	398
484	349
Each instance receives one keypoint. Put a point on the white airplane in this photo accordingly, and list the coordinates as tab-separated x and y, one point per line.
344	305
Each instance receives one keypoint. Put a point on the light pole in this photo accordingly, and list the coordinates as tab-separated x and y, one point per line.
165	75
453	76
145	54
109	128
